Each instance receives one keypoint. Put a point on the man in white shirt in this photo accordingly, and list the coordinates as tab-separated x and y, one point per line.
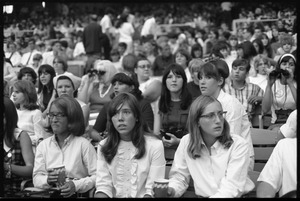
12	54
27	58
150	25
48	57
106	23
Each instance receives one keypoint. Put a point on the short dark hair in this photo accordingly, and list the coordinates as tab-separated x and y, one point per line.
28	70
242	62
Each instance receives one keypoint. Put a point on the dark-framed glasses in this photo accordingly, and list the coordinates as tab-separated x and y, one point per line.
58	115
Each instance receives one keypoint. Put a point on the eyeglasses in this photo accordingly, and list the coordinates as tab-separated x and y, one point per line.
144	66
57	115
212	116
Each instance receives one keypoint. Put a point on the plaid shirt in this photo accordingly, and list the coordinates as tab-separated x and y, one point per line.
244	93
13	185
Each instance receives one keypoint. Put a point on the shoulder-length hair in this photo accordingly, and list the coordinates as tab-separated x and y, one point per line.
11	117
27	70
45	68
110	147
165	97
260	45
72	109
30	95
196	110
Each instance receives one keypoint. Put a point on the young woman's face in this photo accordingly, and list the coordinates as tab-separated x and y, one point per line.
256	46
174	82
289	66
59	124
124	121
58	66
64	86
240	52
233	42
264	40
18	97
287	47
209	85
120	87
45	78
181	59
197	53
211	122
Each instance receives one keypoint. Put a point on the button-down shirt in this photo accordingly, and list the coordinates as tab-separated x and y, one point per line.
222	174
77	155
127	176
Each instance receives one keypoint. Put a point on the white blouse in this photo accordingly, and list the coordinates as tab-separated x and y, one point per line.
126	176
223	174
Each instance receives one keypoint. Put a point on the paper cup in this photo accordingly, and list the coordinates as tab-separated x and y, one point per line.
160	188
61	175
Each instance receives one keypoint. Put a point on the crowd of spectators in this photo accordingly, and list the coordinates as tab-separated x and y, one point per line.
158	79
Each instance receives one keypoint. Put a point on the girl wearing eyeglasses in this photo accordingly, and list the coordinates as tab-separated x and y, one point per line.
65	148
212	77
216	160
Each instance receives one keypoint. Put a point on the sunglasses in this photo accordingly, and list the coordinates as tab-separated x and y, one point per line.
96	72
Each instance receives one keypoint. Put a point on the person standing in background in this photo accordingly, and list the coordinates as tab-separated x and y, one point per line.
92	41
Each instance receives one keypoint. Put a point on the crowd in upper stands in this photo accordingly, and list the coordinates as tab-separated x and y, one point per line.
177	84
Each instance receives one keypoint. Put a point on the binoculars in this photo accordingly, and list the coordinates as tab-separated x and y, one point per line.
276	74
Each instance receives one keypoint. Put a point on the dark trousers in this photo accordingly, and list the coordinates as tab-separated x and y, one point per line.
91	58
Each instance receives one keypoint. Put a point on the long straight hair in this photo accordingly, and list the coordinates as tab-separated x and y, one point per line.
110	147
11	116
165	98
196	110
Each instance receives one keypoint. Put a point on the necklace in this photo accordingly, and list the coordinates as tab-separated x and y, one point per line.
101	89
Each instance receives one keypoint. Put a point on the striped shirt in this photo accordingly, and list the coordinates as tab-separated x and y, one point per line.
244	93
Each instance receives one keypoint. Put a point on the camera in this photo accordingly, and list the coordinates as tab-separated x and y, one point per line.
178	132
163	134
276	74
